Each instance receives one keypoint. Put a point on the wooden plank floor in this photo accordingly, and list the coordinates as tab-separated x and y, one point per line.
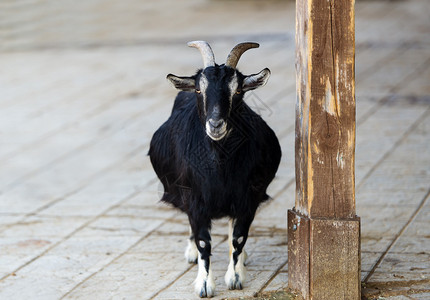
82	90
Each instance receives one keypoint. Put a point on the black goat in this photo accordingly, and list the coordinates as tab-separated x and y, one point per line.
216	157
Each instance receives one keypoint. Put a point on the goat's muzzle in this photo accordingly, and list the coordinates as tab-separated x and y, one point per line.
216	129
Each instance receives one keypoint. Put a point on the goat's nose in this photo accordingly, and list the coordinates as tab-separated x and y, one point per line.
216	123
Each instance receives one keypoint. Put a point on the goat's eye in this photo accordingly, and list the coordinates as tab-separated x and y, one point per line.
238	92
198	91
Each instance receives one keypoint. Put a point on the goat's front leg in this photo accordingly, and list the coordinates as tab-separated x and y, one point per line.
238	234
204	283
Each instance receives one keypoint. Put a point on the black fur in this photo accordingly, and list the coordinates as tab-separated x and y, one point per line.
209	179
215	179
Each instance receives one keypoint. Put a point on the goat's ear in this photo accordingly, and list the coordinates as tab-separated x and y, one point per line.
187	84
254	81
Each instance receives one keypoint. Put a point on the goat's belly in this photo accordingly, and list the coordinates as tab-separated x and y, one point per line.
230	207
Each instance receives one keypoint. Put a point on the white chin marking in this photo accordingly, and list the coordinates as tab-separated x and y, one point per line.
216	137
219	136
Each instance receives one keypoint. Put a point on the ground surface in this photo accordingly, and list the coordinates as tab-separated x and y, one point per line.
82	91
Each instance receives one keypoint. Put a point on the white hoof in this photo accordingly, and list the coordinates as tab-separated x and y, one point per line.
205	287
235	277
204	283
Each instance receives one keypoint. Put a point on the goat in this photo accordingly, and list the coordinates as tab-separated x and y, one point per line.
215	158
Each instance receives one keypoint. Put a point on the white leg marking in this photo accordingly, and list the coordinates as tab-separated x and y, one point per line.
230	236
204	283
191	253
236	275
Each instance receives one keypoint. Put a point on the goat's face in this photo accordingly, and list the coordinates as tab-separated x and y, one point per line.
217	89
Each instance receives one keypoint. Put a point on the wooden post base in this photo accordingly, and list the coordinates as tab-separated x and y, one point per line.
324	257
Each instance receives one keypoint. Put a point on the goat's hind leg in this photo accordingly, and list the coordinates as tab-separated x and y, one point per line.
238	234
191	252
204	283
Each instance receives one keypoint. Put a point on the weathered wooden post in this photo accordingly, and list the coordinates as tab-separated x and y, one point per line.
323	229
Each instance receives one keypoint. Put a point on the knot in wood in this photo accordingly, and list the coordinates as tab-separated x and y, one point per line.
326	132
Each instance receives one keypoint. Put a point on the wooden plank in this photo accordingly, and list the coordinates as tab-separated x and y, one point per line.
325	111
324	257
334	259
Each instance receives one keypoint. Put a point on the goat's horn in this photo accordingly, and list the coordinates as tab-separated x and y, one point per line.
206	51
237	51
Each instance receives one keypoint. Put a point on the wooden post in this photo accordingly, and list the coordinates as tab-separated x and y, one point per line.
323	229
